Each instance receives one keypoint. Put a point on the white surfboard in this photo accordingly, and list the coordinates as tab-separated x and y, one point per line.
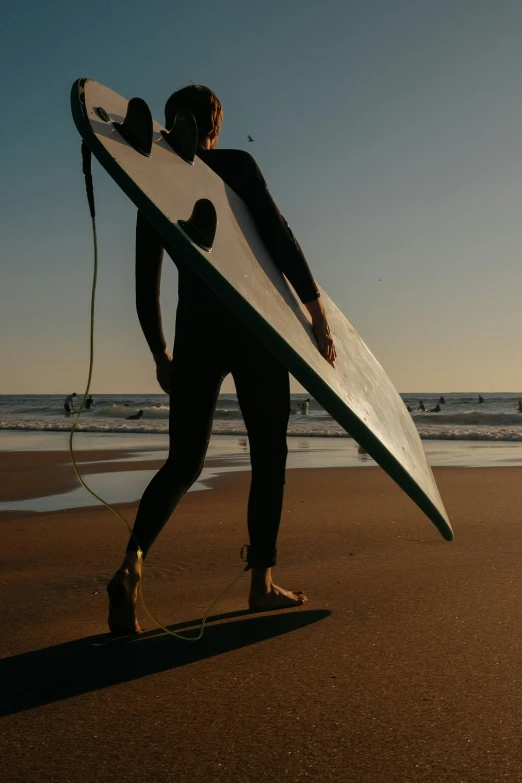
357	392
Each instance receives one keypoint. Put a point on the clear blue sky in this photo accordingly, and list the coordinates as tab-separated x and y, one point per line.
389	134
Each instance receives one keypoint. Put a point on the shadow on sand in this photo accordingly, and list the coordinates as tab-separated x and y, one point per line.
55	673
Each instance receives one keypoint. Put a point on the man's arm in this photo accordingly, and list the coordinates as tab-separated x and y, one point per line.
276	233
149	259
287	254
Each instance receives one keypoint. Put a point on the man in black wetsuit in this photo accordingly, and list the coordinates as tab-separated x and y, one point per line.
210	343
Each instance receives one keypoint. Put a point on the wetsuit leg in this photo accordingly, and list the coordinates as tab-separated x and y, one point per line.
195	384
263	391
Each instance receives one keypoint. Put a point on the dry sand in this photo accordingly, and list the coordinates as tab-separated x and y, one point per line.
404	666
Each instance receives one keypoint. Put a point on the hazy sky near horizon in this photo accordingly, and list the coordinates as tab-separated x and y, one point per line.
389	134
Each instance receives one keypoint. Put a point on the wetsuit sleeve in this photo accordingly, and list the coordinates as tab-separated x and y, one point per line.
276	234
149	259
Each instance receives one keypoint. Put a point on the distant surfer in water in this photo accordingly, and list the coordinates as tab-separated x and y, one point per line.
210	343
421	407
442	401
137	415
481	399
89	403
436	409
303	406
69	403
519	406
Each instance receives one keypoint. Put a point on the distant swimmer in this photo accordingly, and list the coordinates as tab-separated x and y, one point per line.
421	406
436	409
408	409
442	401
89	403
519	406
303	407
69	403
481	399
137	415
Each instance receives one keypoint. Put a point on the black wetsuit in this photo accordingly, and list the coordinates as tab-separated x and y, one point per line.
210	343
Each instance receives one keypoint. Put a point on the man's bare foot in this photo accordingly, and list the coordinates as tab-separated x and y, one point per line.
266	596
274	598
123	596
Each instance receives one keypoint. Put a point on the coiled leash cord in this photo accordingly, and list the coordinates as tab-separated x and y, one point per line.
86	158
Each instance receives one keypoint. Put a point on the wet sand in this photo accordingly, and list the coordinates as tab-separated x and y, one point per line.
32	474
404	666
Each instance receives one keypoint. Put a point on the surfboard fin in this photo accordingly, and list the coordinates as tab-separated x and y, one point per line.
136	128
102	114
202	224
183	136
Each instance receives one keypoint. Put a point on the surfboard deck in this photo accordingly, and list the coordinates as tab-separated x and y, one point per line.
357	393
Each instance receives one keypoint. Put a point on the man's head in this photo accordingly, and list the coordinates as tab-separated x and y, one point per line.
204	105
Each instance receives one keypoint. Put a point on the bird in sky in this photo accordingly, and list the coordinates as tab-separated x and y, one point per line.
250	138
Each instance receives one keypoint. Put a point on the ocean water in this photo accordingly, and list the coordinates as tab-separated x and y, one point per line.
461	417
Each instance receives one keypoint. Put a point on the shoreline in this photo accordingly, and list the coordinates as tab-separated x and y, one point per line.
118	468
464	452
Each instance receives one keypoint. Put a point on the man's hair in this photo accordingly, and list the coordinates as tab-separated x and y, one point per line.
201	102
